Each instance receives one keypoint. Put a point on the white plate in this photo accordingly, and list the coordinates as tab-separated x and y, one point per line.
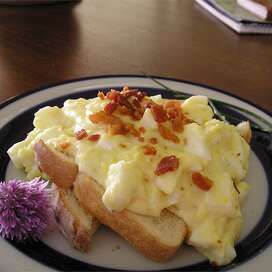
108	249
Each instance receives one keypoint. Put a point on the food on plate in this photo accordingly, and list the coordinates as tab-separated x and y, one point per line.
74	223
150	168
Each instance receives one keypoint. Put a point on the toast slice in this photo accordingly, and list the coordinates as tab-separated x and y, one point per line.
59	168
74	223
158	238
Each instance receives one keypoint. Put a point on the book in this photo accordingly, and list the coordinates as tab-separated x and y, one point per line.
236	17
261	8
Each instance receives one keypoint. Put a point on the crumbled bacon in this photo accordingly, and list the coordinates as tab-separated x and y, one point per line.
81	134
142	129
127	92
117	128
149	150
99	117
128	102
141	139
167	134
159	113
172	104
153	140
110	107
64	145
133	103
115	125
137	115
177	124
167	164
123	101
172	112
123	110
201	181
136	103
101	95
147	103
132	130
94	137
141	95
113	95
175	115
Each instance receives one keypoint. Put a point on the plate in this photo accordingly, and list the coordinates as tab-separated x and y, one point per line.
108	250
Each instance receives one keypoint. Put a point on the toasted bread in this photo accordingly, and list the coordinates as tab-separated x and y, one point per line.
75	224
58	167
158	238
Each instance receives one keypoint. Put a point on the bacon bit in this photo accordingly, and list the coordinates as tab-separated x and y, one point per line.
123	110
141	139
175	115
147	103
201	181
123	101
133	92
158	112
101	95
177	124
142	129
167	164
99	117
136	103
129	93
113	95
172	113
117	128
141	95
172	104
132	130
137	115
94	137
167	134
173	108
81	134
149	150
111	107
153	140
125	88
64	145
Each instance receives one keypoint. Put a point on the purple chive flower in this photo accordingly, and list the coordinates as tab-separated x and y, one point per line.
26	209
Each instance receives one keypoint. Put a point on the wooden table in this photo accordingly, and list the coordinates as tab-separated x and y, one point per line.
177	38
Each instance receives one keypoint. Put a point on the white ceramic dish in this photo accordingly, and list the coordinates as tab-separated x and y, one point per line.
108	249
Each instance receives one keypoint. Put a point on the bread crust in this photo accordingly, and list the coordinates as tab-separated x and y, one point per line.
63	172
71	224
126	223
58	167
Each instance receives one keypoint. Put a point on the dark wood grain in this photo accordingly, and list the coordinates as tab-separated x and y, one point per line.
177	38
